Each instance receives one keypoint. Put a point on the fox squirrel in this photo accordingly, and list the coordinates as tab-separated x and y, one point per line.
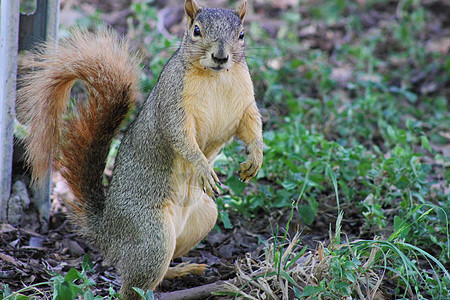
159	202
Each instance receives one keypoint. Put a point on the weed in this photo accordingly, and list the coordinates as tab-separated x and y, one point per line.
357	269
67	287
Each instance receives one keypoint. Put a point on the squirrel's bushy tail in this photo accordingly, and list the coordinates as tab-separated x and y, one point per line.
78	145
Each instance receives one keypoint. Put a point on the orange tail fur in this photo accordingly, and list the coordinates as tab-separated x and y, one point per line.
78	146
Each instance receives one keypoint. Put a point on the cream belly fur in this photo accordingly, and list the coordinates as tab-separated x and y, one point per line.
217	102
207	96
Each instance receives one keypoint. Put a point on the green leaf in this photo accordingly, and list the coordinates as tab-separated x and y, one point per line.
402	182
343	287
140	292
424	214
350	276
298	294
235	185
291	165
6	290
330	174
72	275
88	295
289	185
295	63
410	96
63	292
288	278
87	263
148	295
311	290
307	213
297	257
269	135
225	219
112	292
397	223
425	143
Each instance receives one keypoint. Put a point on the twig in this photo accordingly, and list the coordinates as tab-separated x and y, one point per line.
200	292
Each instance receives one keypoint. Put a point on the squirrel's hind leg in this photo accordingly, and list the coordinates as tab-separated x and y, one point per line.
184	269
144	264
201	220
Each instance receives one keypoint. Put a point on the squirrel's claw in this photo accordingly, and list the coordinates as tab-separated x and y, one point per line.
248	169
208	183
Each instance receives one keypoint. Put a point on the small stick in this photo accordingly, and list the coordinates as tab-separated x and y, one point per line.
200	292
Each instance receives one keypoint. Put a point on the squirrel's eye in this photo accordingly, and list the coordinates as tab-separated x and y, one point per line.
241	35
197	31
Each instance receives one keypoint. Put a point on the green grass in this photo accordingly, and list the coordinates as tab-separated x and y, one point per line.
351	269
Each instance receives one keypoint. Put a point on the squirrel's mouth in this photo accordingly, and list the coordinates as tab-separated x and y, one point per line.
207	63
217	69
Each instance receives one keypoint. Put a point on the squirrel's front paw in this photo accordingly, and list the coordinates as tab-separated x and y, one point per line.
208	181
250	167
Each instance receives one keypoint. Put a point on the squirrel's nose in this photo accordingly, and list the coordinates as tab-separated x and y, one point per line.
219	60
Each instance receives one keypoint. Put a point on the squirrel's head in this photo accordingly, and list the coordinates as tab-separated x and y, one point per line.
214	38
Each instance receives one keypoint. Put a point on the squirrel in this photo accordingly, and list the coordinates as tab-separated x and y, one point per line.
160	199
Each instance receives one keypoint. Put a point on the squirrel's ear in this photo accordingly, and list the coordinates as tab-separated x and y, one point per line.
242	9
191	7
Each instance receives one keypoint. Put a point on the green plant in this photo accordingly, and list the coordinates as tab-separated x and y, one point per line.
355	269
70	286
148	295
74	283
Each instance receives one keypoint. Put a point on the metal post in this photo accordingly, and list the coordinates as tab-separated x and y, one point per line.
8	71
17	34
35	28
42	25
